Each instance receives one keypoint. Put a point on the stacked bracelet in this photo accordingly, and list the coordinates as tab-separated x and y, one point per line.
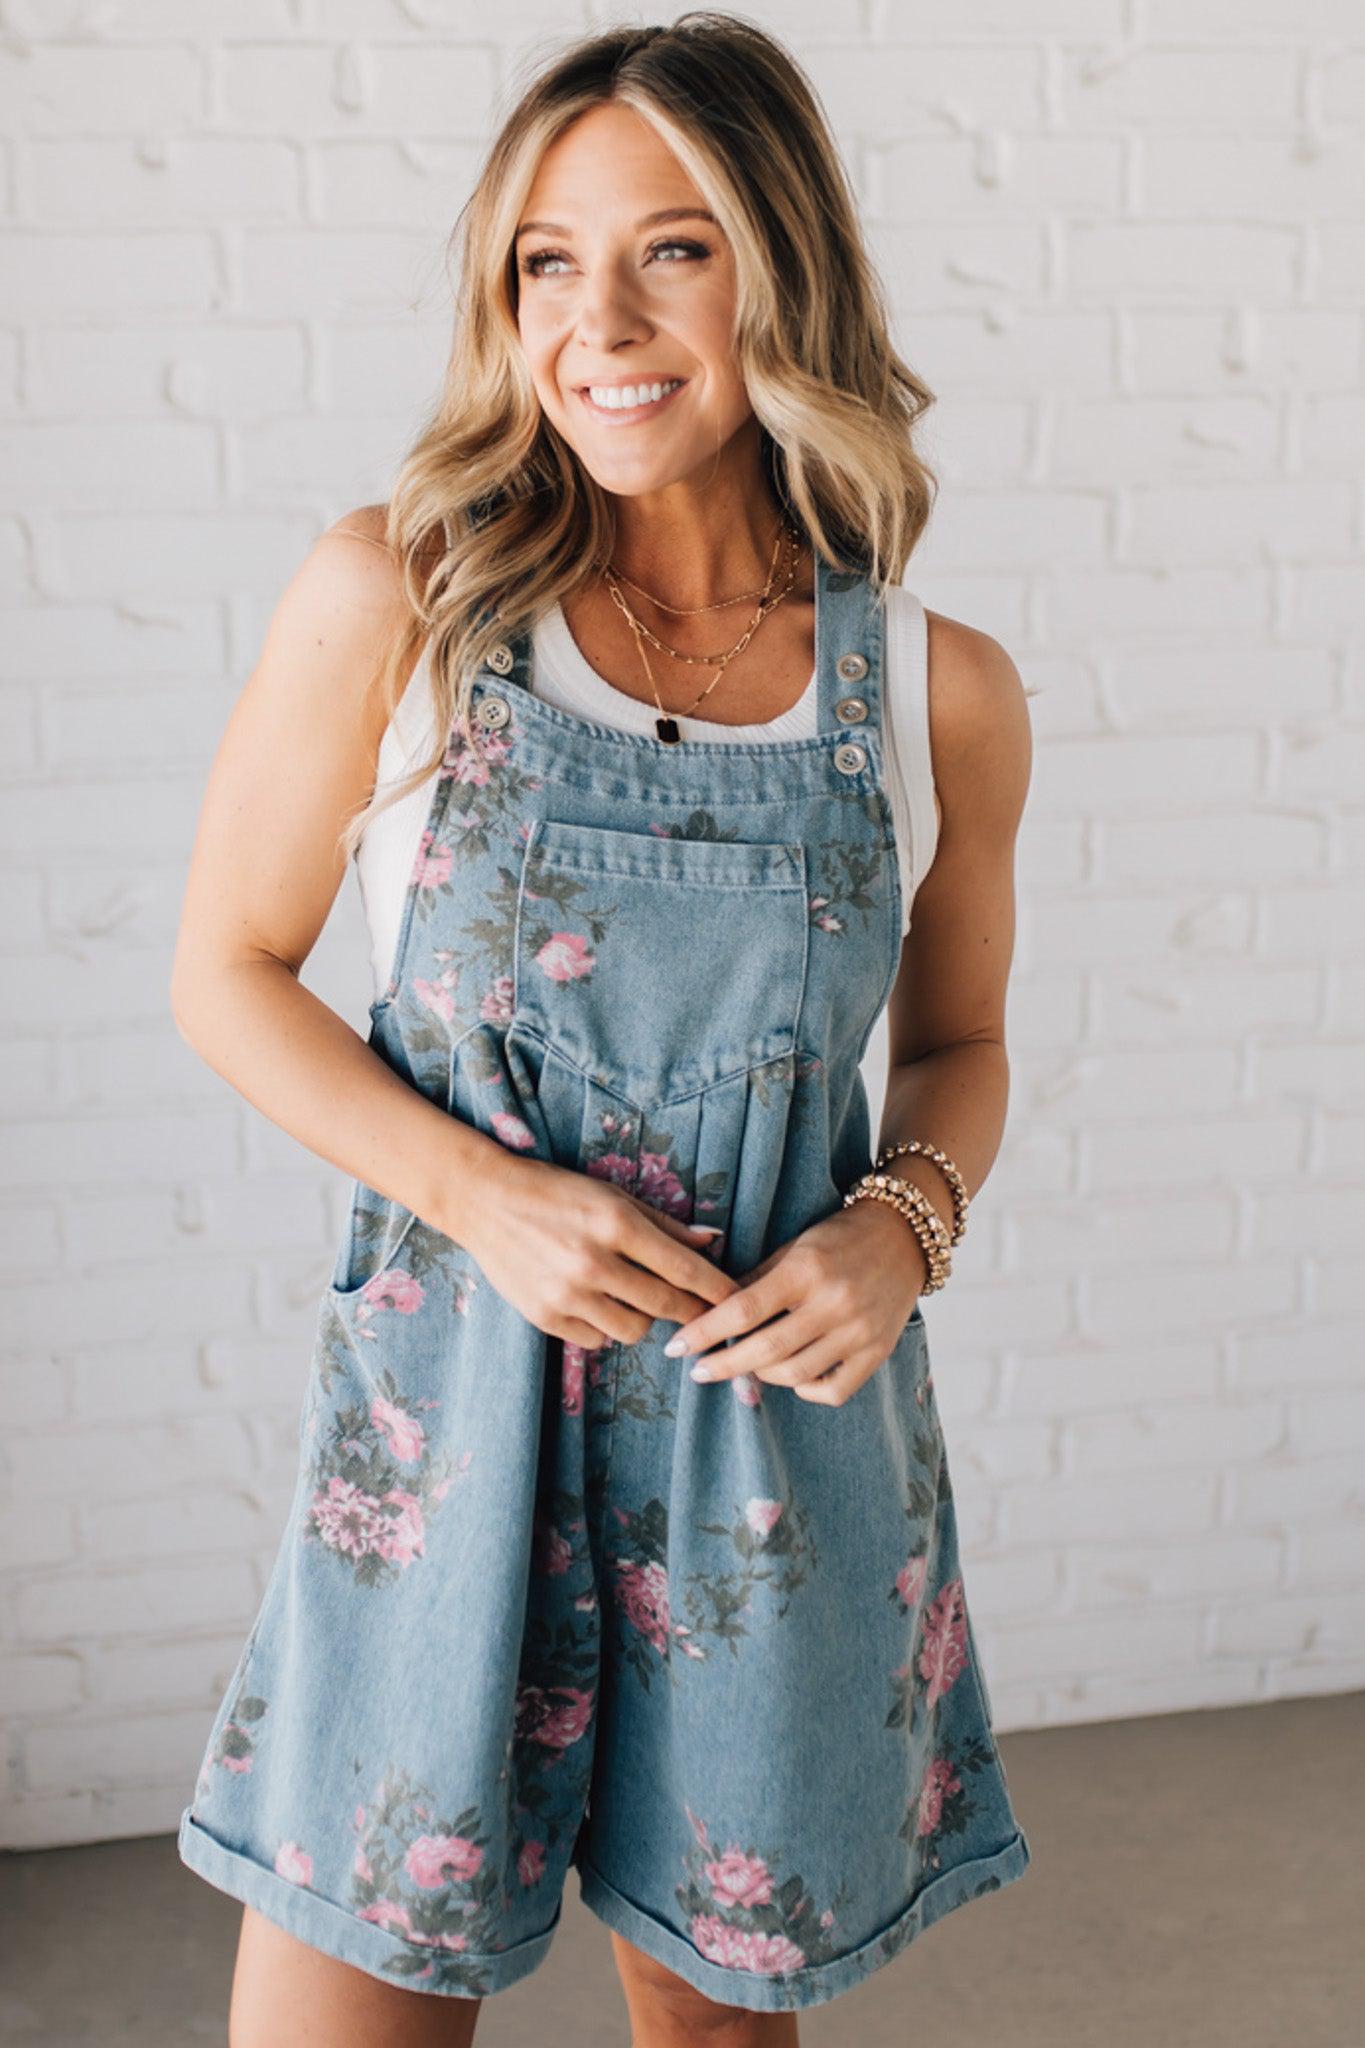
936	1240
919	1212
957	1185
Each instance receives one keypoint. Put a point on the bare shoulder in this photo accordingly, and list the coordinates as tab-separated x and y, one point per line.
335	628
348	589
980	731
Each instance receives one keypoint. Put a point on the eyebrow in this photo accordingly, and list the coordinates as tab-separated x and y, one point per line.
648	220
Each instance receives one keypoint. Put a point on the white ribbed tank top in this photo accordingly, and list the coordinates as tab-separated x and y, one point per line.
562	675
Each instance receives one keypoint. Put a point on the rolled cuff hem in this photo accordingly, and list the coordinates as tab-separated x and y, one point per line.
322	1925
794	1990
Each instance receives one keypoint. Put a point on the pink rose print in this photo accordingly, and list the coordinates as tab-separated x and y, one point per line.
402	1537
910	1580
943	1651
940	1781
642	1590
362	1508
540	1720
659	1185
403	1433
425	1877
763	1516
565	957
512	1130
531	1863
616	1167
435	1860
436	996
292	1862
346	1519
432	866
496	1005
553	1552
740	1916
822	917
395	1289
768	1955
471	764
739	1880
355	1522
235	1746
572	1381
389	1915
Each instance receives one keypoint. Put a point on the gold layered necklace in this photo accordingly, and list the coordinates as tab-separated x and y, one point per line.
666	724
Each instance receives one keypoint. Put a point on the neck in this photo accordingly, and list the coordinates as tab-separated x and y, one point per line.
697	543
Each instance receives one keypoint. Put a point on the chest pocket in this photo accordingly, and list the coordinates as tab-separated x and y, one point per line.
660	966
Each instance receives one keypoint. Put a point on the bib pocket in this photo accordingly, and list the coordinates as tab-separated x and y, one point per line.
659	966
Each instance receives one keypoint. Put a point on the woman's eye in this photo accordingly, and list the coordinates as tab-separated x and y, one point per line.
532	265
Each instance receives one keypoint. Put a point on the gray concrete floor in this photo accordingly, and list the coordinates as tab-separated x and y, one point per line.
1196	1879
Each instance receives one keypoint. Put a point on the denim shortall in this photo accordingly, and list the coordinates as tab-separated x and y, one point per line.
537	1605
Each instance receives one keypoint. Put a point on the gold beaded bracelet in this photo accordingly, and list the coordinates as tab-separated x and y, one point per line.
957	1185
923	1218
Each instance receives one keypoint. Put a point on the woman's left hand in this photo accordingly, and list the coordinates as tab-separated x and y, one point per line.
832	1302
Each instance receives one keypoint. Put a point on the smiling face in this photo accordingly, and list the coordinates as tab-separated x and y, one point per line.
616	298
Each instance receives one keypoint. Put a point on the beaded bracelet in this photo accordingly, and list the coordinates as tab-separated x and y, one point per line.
957	1185
923	1218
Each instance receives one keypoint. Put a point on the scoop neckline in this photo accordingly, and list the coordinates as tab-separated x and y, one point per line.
616	703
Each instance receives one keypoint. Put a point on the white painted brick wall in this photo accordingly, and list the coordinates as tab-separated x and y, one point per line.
1123	239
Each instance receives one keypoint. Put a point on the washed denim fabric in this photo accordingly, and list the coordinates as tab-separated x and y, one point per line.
537	1606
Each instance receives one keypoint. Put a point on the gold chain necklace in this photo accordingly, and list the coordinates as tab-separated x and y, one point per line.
766	604
692	611
666	724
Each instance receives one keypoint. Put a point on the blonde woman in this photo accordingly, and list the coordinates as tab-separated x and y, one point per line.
644	750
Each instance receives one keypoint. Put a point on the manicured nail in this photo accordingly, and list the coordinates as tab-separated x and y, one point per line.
675	1346
701	1372
707	1229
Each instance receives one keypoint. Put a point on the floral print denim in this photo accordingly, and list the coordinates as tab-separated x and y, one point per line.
536	1606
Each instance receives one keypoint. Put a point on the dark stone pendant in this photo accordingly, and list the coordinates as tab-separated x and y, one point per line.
667	729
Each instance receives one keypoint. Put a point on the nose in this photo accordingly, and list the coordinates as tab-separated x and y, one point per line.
609	310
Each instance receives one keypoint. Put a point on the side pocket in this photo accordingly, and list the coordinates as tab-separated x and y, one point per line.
376	1228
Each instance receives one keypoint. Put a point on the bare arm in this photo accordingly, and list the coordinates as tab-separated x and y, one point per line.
823	1312
297	754
948	1074
577	1256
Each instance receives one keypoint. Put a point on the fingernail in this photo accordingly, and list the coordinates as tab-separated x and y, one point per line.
707	1229
701	1372
675	1346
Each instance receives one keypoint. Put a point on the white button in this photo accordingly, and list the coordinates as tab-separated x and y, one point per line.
848	759
492	712
852	710
852	667
500	659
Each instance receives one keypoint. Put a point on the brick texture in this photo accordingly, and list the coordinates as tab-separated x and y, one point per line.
1123	240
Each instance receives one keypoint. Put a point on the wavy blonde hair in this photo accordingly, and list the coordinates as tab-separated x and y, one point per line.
493	518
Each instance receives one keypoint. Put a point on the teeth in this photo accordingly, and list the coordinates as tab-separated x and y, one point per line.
617	398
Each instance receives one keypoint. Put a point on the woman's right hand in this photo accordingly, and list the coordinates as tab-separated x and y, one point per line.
586	1260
